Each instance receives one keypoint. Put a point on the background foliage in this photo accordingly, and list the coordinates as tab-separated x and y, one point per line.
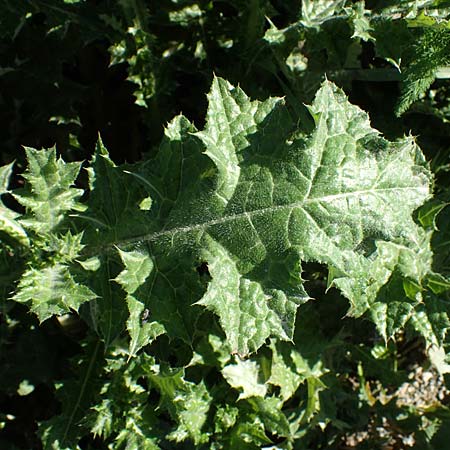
97	369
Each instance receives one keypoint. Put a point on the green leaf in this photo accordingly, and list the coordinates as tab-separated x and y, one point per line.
438	283
431	319
137	268
245	376
360	18
48	194
283	371
8	222
428	213
141	332
124	413
269	410
51	290
250	197
247	313
187	402
5	175
430	52
315	13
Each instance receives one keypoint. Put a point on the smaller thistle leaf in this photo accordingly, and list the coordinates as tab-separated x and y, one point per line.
91	264
270	412
121	392
211	350
48	194
390	317
428	213
249	434
283	370
186	402
191	408
431	320
225	418
245	376
140	330
315	13
438	283
431	51
392	260
51	290
66	246
137	268
10	225
134	436
101	418
360	19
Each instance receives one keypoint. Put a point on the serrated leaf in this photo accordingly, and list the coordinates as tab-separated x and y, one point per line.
187	402
392	260
392	309
211	350
140	330
314	13
124	413
430	52
247	312
113	207
192	409
245	377
360	18
431	319
283	371
135	436
249	434
51	290
5	175
137	268
251	197
427	214
49	193
269	410
438	283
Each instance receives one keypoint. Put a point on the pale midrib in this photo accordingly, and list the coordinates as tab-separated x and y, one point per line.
232	217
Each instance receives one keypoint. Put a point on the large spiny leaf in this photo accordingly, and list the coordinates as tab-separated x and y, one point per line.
249	198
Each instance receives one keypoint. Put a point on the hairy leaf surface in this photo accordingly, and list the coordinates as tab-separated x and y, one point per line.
223	218
250	197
